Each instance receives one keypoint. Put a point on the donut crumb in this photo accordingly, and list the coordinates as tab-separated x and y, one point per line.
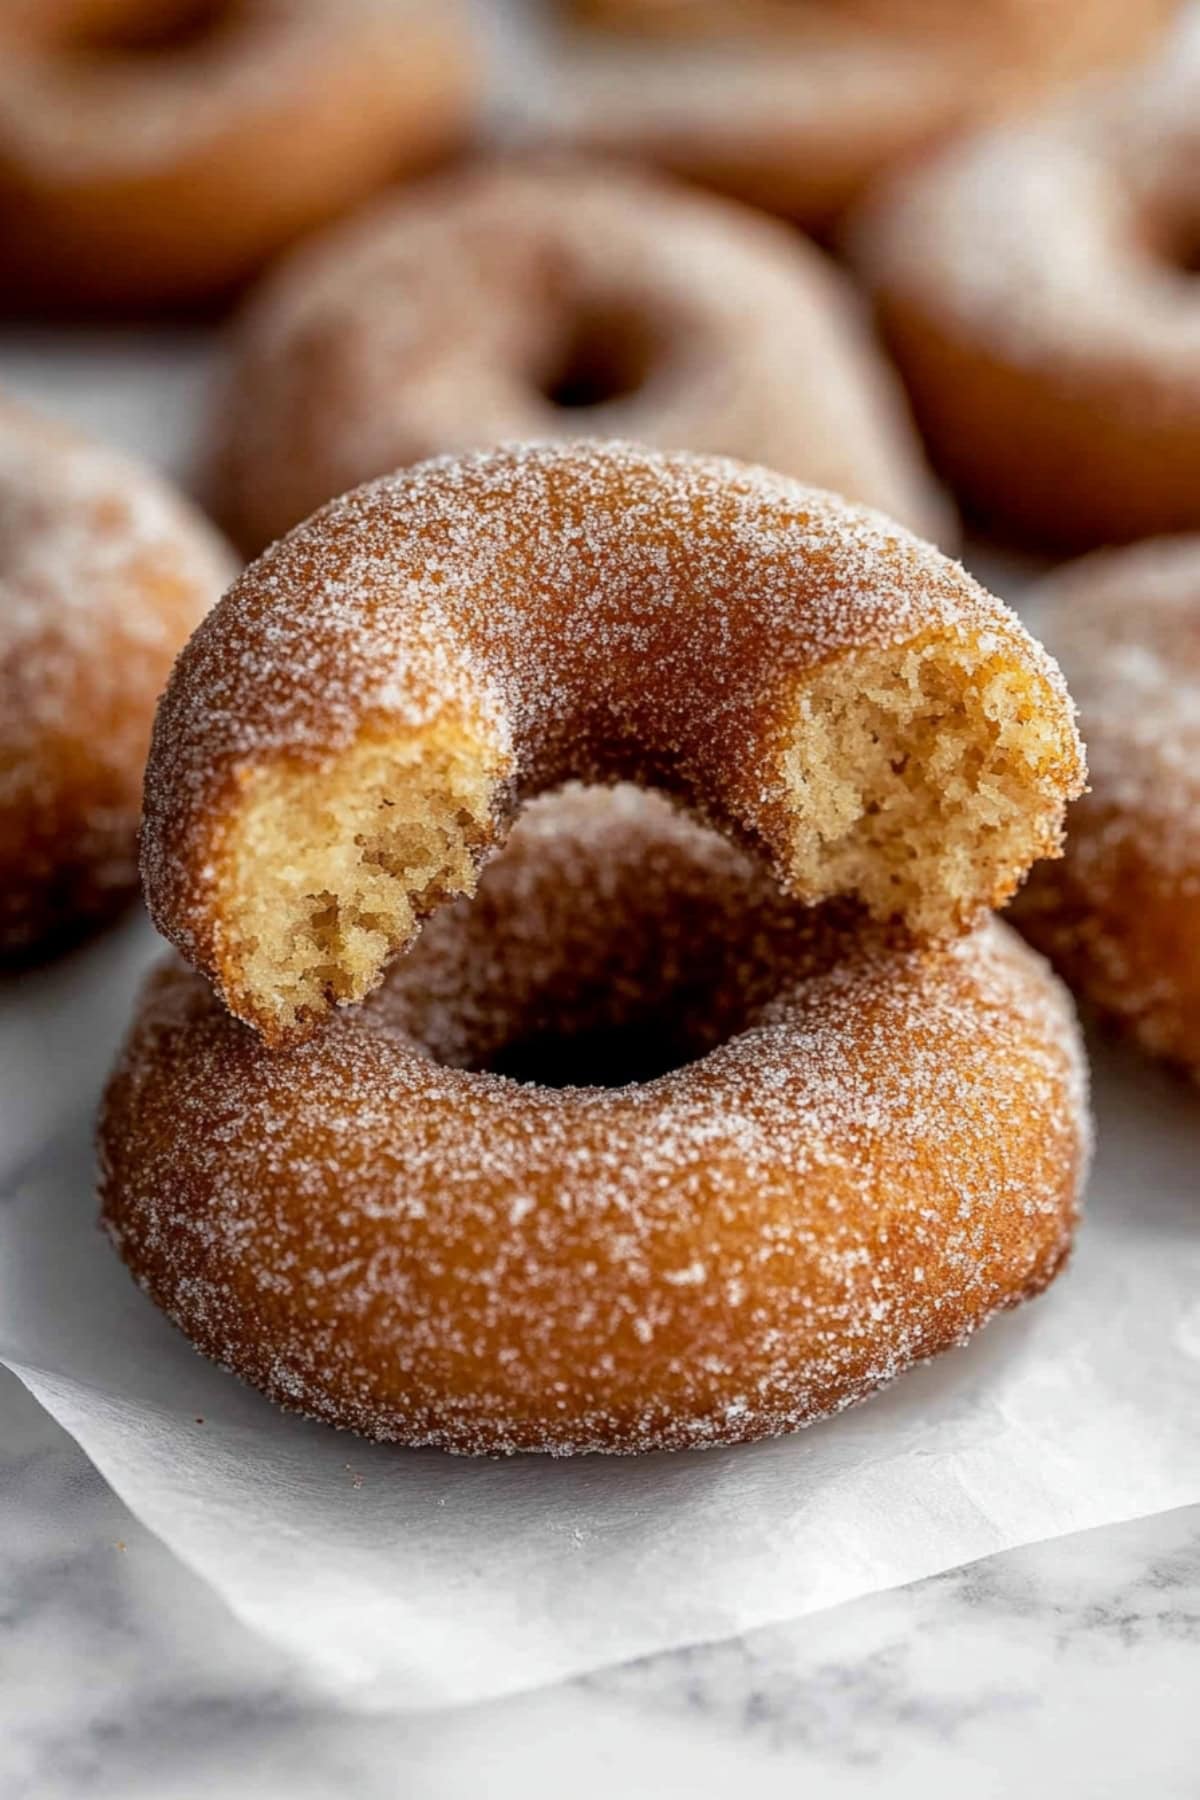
329	872
914	777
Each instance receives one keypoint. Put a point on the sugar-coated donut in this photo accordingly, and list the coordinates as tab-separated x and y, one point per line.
833	1156
1034	284
352	729
797	107
159	151
1121	914
103	573
533	300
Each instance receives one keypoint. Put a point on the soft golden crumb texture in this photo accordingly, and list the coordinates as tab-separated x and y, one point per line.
913	774
329	875
357	725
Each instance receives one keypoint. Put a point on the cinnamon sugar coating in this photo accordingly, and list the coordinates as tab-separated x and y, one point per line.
349	734
843	1155
537	300
1120	916
1036	285
798	108
103	573
155	152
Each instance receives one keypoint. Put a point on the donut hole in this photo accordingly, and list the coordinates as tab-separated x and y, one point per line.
170	28
1179	247
912	778
606	355
619	1056
613	941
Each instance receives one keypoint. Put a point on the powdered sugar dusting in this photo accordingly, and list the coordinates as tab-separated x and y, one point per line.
381	1235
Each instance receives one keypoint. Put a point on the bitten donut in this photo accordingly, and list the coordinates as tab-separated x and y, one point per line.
153	153
797	107
1121	914
539	300
350	732
1036	286
831	1156
103	573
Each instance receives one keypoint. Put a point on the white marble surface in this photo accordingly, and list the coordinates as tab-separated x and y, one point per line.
1069	1668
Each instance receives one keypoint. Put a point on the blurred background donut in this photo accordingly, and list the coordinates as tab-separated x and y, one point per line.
796	107
1036	285
1120	915
547	300
104	571
158	151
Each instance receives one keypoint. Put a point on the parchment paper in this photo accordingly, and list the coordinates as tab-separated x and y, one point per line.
413	1579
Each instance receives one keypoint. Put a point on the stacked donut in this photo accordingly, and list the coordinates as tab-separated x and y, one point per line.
587	1027
674	1126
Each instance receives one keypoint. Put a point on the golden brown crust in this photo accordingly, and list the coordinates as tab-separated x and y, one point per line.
103	573
857	1154
1035	287
135	176
602	612
1120	916
799	108
544	299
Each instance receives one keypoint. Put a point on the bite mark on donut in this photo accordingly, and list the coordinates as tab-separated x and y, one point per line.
504	623
922	779
329	873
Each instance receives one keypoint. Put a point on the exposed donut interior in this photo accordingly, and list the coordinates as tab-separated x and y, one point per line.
921	780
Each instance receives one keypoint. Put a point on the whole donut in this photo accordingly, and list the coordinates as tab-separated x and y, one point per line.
1120	914
1034	286
351	731
526	301
842	1156
103	573
156	153
796	108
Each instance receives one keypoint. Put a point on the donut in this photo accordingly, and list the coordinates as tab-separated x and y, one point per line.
351	730
1035	287
1120	914
154	152
103	573
628	1154
796	108
528	300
